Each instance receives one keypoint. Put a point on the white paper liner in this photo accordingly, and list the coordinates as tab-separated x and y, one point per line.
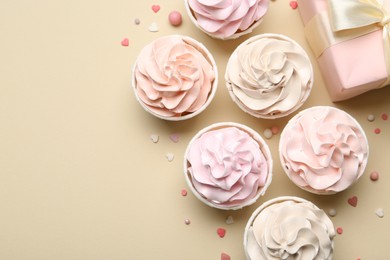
293	120
266	116
232	37
199	46
264	149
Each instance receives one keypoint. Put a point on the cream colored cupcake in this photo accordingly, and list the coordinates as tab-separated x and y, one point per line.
226	19
175	77
323	150
289	228
228	166
269	76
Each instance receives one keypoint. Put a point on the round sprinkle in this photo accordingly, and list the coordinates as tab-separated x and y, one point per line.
374	176
175	18
267	133
332	212
371	118
183	192
384	116
339	230
380	212
275	130
187	221
137	21
377	131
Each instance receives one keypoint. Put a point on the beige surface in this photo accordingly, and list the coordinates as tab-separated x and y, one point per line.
79	176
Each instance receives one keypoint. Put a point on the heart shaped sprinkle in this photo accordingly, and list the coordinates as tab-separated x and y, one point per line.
170	157
183	192
380	212
155	8
125	42
225	256
221	232
153	27
174	137
154	138
353	201
229	220
294	4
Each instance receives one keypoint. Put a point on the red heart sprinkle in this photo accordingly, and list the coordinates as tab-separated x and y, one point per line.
155	8
353	201
221	232
125	42
294	4
225	256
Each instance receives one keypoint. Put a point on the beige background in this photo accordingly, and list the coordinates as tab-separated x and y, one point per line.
79	176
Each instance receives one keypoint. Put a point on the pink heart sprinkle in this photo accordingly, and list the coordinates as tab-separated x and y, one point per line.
353	201
221	232
294	4
155	8
225	256
125	42
174	137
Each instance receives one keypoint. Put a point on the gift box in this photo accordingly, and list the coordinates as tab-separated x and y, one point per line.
351	41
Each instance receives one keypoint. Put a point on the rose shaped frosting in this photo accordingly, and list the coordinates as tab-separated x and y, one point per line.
323	150
227	166
269	75
223	18
173	77
291	230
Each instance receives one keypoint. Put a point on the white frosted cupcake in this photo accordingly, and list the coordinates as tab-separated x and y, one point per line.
323	150
269	76
289	228
226	19
228	166
175	77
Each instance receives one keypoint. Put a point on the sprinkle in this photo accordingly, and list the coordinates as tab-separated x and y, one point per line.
384	116
155	8
339	230
221	232
267	133
353	201
374	176
174	137
294	4
153	27
229	220
332	212
225	256
137	21
170	157
187	221
275	130
154	138
377	131
371	118
125	42
175	18
380	212
183	192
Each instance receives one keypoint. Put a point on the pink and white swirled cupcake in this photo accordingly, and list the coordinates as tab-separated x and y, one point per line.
289	228
175	77
228	166
269	76
323	150
226	19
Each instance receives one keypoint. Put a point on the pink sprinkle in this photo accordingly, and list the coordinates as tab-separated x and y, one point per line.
175	18
358	258
377	131
374	176
339	230
225	256
384	116
155	8
353	201
275	130
174	138
187	221
125	42
221	232
183	192
294	4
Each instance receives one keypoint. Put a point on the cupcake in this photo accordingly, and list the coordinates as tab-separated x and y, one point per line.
269	76
174	77
323	150
289	228
228	166
226	19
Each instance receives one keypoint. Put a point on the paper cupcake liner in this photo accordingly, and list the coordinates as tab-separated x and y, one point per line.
265	116
263	147
293	120
200	47
232	37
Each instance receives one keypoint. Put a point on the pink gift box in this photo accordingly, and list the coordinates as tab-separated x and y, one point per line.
351	67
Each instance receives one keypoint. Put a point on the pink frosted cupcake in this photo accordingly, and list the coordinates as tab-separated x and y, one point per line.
226	19
323	150
175	77
228	166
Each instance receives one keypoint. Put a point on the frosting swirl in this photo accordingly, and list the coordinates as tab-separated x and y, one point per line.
223	18
290	230
173	76
324	150
227	167
269	76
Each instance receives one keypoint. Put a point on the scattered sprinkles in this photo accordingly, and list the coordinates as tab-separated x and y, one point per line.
137	21
374	176
225	256
175	18
221	232
174	138
380	212
332	212
267	133
183	192
384	116
294	4
153	27
275	130
353	201
371	118
125	42
156	8
154	138
339	230
187	221
170	157
377	131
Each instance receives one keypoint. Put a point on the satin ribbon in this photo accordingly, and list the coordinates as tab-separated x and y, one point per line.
349	19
